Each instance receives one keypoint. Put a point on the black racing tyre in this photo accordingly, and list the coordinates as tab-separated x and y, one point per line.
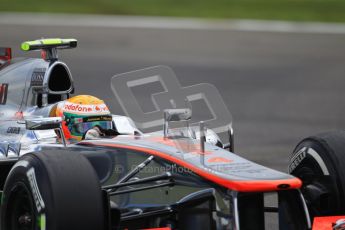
319	161
52	190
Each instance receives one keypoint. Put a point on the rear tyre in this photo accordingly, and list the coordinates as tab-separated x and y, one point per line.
52	190
319	161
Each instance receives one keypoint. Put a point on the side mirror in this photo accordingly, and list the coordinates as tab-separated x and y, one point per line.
43	123
177	115
174	115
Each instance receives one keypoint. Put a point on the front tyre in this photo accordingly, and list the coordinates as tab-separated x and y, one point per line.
319	161
52	190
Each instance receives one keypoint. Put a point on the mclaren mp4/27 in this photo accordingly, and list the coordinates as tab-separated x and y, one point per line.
183	178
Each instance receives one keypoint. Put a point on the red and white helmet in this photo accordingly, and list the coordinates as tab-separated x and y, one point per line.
81	113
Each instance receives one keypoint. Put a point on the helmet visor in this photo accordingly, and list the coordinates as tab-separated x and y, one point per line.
80	129
79	125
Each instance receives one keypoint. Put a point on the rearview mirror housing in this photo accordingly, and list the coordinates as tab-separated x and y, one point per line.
177	114
43	123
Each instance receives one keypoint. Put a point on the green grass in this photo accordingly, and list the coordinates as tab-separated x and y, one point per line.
296	10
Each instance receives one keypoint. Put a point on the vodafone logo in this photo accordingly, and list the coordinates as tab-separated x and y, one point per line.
77	108
71	107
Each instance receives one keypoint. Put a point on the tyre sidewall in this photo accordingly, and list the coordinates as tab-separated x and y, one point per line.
328	164
28	173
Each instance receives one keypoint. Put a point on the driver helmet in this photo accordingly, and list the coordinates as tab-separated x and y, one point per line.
82	113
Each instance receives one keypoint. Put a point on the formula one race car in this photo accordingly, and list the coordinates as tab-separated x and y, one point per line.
178	178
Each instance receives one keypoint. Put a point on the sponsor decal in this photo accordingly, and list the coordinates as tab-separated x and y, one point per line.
13	130
37	77
297	159
3	93
71	107
219	160
35	191
97	118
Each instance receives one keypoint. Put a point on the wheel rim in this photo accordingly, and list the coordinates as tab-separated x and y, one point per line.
21	211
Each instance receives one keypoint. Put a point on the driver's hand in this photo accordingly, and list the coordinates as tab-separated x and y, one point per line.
97	132
92	134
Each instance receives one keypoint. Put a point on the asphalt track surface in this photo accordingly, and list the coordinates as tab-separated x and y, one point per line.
279	86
